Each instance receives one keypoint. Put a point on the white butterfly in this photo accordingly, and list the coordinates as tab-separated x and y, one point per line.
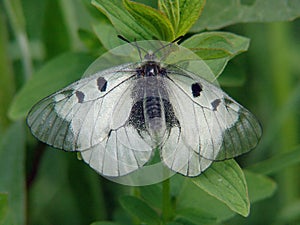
118	117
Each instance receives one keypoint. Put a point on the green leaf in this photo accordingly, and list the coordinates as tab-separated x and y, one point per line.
213	45
12	172
109	38
218	14
191	196
216	48
90	41
226	182
152	20
122	20
139	209
3	207
56	74
152	194
182	14
278	162
104	223
259	186
194	216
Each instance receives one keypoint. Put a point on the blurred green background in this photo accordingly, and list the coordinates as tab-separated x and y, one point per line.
47	186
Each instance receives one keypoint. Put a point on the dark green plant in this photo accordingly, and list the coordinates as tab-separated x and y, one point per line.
43	186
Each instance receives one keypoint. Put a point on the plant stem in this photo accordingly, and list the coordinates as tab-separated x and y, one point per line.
166	206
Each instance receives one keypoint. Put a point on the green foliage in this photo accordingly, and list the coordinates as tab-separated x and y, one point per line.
219	14
59	42
6	79
217	48
3	207
182	14
278	162
53	76
104	223
140	210
140	22
12	173
156	22
226	182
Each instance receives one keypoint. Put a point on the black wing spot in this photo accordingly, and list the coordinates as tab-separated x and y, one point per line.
215	104
102	84
80	96
196	89
109	133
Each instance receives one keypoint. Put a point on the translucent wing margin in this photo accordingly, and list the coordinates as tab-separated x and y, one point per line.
212	125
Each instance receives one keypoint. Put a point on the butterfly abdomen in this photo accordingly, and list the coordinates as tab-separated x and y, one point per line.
153	107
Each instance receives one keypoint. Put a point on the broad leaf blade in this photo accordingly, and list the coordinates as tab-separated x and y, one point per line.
109	38
217	48
139	209
121	19
226	182
152	20
90	41
213	45
218	14
191	196
182	14
56	74
152	194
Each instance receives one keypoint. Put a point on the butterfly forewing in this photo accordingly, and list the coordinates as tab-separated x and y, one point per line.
79	116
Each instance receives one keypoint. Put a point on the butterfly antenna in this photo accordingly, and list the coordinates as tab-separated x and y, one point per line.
165	46
134	44
169	44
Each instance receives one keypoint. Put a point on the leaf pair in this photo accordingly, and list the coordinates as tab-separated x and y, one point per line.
138	21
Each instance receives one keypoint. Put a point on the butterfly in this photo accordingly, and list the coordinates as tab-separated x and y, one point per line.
119	116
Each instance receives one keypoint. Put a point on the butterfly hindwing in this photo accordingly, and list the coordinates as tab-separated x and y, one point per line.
120	153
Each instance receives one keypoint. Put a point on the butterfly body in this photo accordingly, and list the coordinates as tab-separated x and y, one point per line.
152	112
117	117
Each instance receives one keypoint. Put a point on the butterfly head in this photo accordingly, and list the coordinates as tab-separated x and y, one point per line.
150	56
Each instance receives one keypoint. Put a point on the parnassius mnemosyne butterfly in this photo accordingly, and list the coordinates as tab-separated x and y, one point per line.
134	101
